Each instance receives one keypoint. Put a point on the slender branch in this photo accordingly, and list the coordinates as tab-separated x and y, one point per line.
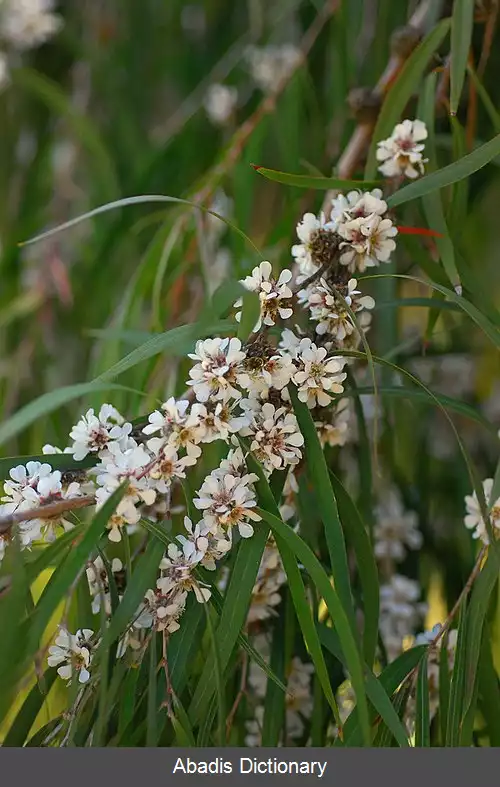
47	511
361	137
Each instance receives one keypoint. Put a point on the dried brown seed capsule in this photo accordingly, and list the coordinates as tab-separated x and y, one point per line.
364	104
404	40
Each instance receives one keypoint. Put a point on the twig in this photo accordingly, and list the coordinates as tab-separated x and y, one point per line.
360	139
47	511
239	696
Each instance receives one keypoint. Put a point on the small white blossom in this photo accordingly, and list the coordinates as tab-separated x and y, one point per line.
214	374
228	501
474	519
72	654
220	102
163	610
276	438
271	64
401	153
177	575
356	205
400	612
274	294
266	370
168	466
336	430
25	24
270	578
395	528
94	433
366	242
316	237
98	580
319	376
329	311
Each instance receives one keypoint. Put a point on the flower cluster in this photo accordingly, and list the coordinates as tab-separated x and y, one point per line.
25	24
271	64
474	519
72	654
220	102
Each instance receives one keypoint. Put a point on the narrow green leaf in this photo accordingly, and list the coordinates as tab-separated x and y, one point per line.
47	403
317	470
357	535
309	182
457	686
338	615
489	690
144	577
454	172
432	202
182	725
462	23
250	312
26	716
151	727
65	575
219	682
236	603
402	90
274	703
422	712
444	687
176	342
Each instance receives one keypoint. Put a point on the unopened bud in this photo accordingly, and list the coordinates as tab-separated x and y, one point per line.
404	40
364	104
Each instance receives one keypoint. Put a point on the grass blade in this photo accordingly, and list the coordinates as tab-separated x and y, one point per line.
422	714
309	182
462	23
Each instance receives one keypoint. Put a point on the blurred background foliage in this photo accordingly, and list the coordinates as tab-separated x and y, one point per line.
115	105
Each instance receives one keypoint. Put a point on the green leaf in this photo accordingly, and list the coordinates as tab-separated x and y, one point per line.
463	168
250	312
26	716
422	712
234	612
317	471
462	23
56	461
151	727
308	182
144	577
65	575
432	202
457	685
47	403
49	554
274	703
444	687
337	613
182	726
478	608
357	535
219	681
402	90
378	690
489	690
176	342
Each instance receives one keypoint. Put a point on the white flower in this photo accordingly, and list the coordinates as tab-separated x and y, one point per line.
28	23
474	519
202	543
94	433
271	64
395	528
401	153
179	428
73	653
270	578
355	205
318	377
367	242
289	343
220	102
162	610
288	508
227	501
276	438
177	573
336	430
30	487
330	312
319	241
167	466
217	420
98	580
400	612
274	295
214	376
263	368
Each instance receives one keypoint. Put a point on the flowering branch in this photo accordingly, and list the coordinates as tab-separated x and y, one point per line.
45	511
